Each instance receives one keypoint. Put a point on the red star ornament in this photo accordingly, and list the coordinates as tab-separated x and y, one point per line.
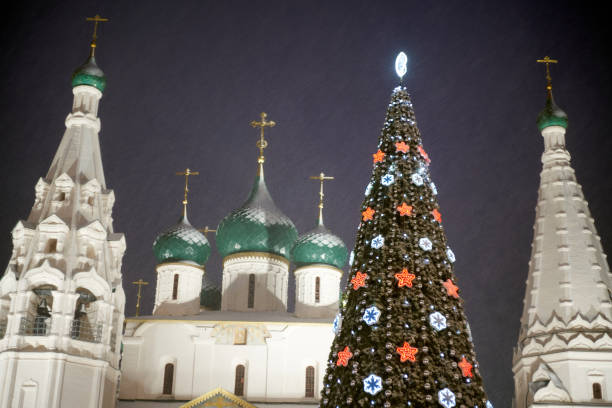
359	280
437	216
344	356
406	352
451	288
405	209
424	154
368	214
401	147
378	156
466	368
405	278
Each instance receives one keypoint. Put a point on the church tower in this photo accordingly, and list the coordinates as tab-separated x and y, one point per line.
61	299
319	256
564	353
255	241
181	253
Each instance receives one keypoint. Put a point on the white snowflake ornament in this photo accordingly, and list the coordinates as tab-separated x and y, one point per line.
371	315
450	255
417	179
437	321
368	189
446	398
387	179
372	384
489	405
352	258
425	244
337	324
377	242
434	189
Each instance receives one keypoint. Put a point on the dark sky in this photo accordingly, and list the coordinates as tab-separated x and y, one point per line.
186	78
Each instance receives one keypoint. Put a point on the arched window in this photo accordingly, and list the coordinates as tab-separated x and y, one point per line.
317	290
168	378
597	391
310	381
239	385
251	297
175	287
85	325
37	321
51	246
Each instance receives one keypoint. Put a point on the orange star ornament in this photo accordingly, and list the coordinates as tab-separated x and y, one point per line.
368	214
344	356
405	209
406	352
405	278
401	147
451	288
378	156
424	154
466	368
437	216
359	280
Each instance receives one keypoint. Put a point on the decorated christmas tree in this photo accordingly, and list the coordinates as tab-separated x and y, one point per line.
402	338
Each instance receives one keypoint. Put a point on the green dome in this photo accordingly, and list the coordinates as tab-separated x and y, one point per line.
181	243
257	226
89	74
319	246
551	115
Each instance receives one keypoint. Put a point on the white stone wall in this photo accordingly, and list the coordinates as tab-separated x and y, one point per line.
305	288
271	282
189	287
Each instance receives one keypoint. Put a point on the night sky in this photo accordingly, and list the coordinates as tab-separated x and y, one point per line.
186	78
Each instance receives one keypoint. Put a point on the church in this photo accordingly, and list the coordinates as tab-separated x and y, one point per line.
65	342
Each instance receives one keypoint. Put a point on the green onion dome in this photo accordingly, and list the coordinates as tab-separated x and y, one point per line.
257	226
181	243
551	115
319	246
89	74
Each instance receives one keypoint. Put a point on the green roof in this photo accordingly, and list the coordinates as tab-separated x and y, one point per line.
257	226
551	115
319	246
181	243
89	74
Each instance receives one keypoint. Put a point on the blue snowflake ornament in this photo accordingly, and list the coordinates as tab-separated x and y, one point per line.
437	321
387	179
433	189
372	384
446	398
371	315
450	255
368	189
417	179
337	324
378	242
425	244
489	405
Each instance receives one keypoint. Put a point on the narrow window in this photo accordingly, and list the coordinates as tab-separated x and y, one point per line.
61	196
90	200
310	381
317	290
597	391
168	378
51	246
239	386
251	298
175	287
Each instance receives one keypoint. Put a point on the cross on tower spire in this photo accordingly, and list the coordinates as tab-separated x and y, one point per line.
139	282
97	19
321	177
547	61
262	143
186	173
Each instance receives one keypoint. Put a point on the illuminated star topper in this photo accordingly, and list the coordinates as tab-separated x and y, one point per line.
401	62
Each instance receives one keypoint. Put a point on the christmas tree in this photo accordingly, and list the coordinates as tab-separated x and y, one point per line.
402	338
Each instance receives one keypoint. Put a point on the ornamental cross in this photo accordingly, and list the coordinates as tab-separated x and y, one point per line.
547	61
262	143
186	173
139	282
206	230
321	177
97	19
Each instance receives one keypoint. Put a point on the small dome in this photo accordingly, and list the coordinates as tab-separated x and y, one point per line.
319	246
89	74
181	243
257	226
551	115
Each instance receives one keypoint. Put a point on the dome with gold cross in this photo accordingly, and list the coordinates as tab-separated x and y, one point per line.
89	73
551	115
258	225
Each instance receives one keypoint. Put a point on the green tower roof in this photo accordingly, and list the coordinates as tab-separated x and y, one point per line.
181	243
319	246
89	74
257	226
551	115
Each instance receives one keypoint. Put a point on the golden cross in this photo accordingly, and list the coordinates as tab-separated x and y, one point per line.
186	173
262	143
139	282
547	60
206	230
97	19
321	177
